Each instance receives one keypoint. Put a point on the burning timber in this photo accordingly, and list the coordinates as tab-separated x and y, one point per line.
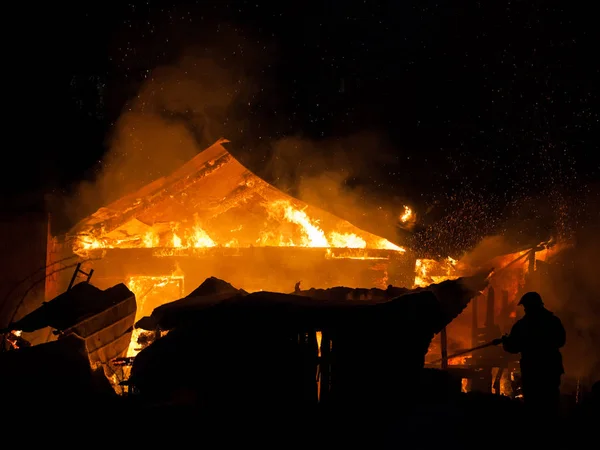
236	350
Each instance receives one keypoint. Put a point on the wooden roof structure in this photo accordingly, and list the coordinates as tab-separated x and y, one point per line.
213	190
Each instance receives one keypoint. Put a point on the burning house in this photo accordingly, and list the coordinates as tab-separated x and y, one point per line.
213	217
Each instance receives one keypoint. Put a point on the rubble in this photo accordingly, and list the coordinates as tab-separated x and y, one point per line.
215	286
209	293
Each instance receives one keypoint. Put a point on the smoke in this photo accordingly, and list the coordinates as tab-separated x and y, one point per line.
570	289
179	110
567	280
337	175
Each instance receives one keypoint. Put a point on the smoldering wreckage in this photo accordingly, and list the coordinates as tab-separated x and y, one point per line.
123	329
234	337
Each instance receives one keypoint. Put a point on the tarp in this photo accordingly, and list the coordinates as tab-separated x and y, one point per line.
209	293
328	307
250	350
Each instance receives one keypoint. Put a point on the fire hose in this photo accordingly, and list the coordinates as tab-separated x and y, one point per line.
496	341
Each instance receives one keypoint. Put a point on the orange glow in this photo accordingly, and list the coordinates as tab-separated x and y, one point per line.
151	292
292	227
429	271
407	215
458	361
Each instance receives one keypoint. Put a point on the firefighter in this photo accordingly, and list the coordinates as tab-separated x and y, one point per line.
538	337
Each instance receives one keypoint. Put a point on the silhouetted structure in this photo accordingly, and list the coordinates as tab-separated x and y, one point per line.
238	351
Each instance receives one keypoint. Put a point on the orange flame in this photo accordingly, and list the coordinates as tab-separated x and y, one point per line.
307	232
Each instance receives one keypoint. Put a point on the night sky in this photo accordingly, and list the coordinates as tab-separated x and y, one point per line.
486	113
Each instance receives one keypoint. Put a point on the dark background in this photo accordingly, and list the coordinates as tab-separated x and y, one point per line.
487	111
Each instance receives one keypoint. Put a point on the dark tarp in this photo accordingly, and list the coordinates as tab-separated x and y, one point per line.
214	286
246	350
360	294
209	293
312	311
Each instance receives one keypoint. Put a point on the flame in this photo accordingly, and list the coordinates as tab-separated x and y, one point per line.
134	349
12	338
430	271
458	361
176	241
407	215
87	242
148	286
150	240
294	228
319	340
200	239
346	240
312	235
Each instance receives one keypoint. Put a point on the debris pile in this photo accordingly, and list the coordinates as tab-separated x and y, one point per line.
222	348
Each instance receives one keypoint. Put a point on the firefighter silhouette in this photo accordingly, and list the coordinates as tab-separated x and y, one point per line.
538	337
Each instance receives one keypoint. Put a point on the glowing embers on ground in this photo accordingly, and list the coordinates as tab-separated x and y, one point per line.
285	225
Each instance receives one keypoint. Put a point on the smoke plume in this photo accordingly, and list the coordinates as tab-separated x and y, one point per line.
571	288
336	175
181	109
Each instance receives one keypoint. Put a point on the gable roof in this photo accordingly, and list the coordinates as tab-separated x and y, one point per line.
217	193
